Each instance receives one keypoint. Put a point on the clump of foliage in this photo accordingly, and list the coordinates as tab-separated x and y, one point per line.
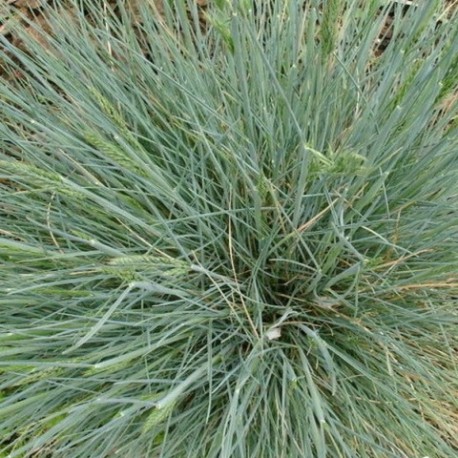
229	233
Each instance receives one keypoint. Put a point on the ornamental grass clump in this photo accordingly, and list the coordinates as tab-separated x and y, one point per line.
229	232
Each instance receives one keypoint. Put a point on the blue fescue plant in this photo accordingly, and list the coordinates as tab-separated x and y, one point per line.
230	232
